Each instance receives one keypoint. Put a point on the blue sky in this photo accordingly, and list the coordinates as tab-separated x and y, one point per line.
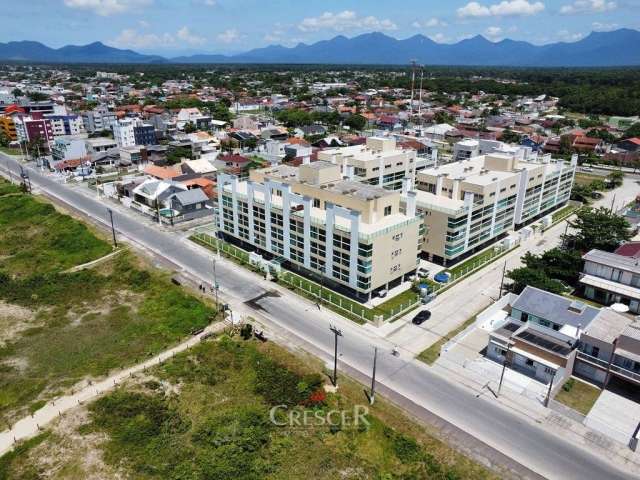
224	26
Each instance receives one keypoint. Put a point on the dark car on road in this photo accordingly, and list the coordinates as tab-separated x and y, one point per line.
422	316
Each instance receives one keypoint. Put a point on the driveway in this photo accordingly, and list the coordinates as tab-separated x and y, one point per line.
614	415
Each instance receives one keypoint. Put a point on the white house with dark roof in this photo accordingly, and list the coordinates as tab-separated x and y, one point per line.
540	335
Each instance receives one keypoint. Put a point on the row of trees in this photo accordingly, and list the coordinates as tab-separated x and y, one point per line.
559	268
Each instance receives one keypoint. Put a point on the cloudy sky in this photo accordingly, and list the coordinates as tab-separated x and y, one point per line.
225	26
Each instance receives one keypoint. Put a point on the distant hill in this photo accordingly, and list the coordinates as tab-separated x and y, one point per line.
96	52
598	49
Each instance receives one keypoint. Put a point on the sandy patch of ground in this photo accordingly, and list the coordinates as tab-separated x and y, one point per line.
70	455
14	320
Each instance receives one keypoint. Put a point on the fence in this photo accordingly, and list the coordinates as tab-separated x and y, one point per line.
340	303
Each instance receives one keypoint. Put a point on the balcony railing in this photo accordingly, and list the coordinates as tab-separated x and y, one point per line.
614	368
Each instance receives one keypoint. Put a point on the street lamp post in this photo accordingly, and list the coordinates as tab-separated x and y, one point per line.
337	333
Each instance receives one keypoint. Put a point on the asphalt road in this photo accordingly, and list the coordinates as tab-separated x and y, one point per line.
536	449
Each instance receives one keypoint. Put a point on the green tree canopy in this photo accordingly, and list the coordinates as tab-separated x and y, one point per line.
356	122
536	278
632	131
599	229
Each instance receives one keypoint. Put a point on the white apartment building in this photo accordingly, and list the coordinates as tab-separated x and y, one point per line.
123	133
350	235
378	162
99	119
468	204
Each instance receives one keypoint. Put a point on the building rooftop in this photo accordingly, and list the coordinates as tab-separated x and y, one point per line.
607	325
622	262
555	308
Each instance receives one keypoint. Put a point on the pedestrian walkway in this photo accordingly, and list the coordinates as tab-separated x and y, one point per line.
32	425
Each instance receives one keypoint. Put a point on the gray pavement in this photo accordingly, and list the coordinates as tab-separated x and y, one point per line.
535	449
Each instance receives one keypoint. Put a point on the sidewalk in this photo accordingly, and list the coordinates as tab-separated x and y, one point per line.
31	426
526	397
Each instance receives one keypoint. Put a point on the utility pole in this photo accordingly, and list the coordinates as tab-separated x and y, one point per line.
413	80
337	333
633	442
612	202
215	283
113	230
373	376
546	400
504	367
504	269
420	97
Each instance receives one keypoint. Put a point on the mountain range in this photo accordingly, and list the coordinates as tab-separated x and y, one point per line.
598	49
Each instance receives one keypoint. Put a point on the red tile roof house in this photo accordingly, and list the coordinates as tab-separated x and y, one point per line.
629	249
583	143
162	173
234	160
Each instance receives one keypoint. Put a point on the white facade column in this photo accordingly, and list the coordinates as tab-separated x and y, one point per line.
286	213
455	193
250	190
330	220
555	197
544	181
306	201
411	204
468	202
521	196
439	182
353	248
267	214
381	172
495	209
434	156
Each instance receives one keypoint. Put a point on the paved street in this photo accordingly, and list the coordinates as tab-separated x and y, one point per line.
513	435
476	292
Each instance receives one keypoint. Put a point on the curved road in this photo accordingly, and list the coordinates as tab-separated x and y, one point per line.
513	435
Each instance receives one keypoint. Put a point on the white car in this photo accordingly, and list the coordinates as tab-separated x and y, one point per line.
422	272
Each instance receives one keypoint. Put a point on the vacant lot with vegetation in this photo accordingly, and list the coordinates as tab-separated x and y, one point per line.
58	328
205	414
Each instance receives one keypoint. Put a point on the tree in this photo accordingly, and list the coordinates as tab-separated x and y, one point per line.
616	178
557	263
509	136
581	193
356	122
16	92
4	140
189	127
599	229
37	96
632	131
524	276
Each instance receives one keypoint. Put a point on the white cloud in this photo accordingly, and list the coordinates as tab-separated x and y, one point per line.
439	37
588	6
107	7
494	33
566	36
143	24
604	27
229	36
431	23
345	20
131	38
506	8
186	36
